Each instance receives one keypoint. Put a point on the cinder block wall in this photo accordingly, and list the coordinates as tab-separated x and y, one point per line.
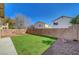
12	32
64	33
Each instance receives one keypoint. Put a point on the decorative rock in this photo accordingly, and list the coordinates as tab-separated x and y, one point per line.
63	48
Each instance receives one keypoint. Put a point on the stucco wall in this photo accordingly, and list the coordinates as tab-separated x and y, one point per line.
39	25
63	22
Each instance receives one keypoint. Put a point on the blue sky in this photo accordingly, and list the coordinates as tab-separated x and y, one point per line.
45	12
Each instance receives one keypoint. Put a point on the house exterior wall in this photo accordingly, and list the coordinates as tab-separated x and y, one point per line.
0	22
39	25
63	22
2	10
20	24
2	26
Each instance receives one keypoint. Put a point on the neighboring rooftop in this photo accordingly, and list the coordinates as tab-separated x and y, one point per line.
39	22
62	17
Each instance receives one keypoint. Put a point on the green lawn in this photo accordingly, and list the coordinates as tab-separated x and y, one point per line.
31	44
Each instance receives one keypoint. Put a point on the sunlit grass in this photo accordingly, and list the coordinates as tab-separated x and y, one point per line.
31	44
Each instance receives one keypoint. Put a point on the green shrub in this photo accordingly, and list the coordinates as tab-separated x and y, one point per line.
11	27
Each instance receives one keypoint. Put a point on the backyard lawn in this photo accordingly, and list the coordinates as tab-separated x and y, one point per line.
31	44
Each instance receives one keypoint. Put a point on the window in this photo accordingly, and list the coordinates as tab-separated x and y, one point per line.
4	27
40	25
55	23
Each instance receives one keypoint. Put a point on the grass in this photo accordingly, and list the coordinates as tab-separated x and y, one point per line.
31	44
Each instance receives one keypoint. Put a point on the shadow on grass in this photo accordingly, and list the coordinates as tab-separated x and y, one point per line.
47	42
44	36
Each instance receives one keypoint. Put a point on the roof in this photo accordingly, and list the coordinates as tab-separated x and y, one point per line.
39	22
62	17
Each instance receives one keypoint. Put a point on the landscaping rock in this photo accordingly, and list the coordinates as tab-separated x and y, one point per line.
63	48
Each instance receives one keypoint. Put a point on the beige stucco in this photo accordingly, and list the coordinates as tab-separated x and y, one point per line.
4	26
41	25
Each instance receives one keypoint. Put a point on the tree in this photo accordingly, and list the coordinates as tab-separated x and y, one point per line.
5	20
75	21
22	22
9	21
32	27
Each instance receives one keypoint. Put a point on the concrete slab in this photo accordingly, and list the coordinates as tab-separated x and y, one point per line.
7	47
